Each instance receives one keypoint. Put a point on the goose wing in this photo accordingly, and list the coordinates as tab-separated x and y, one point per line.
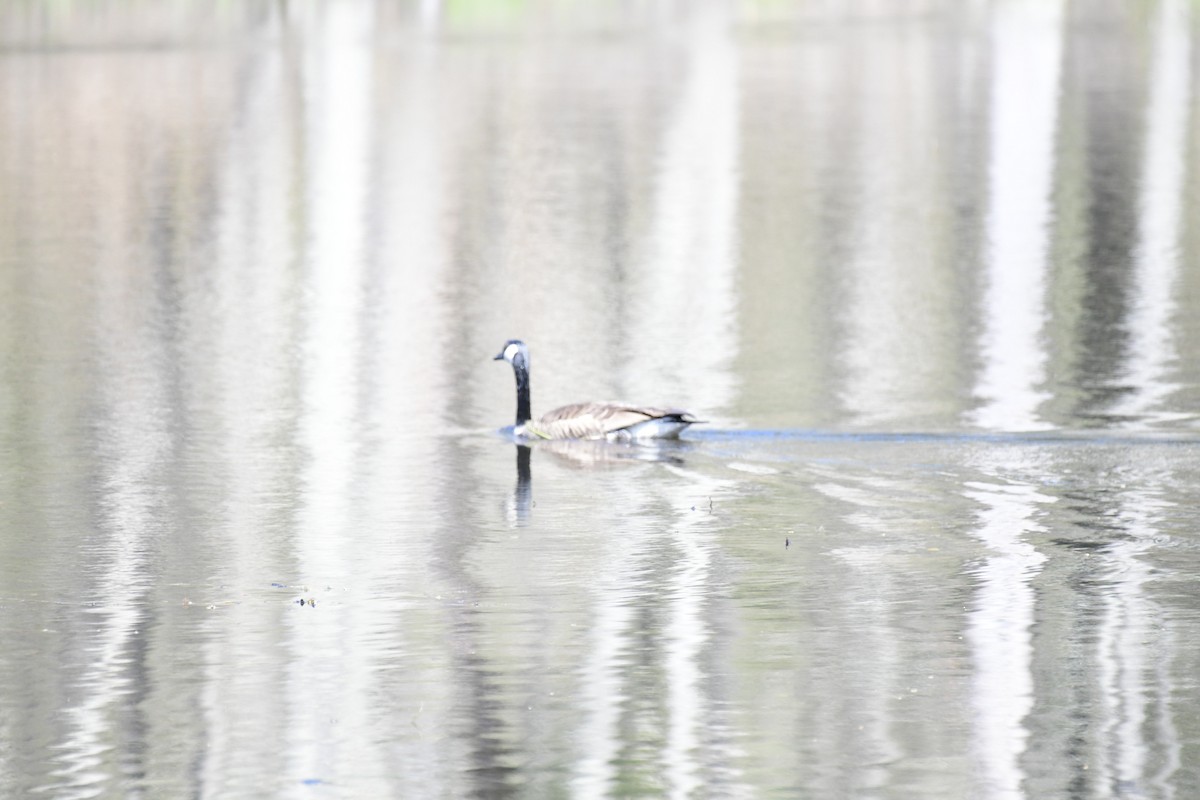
597	420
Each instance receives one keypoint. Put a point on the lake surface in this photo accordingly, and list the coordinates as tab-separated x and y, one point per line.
929	271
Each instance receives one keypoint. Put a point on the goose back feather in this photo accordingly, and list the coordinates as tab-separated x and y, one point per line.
619	421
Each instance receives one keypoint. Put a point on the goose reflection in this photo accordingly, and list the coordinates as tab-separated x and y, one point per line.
523	493
598	453
586	454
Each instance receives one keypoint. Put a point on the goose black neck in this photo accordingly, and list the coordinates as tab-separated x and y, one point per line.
523	405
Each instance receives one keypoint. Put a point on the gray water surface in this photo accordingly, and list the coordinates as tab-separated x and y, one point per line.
929	271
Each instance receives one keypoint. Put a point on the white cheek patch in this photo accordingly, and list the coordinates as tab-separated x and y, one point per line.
510	352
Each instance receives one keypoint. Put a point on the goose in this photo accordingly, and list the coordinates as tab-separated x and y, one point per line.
617	422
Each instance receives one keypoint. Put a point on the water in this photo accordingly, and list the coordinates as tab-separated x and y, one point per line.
926	269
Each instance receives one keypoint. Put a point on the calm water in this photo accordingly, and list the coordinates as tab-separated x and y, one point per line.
930	270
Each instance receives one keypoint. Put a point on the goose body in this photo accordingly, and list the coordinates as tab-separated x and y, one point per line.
620	422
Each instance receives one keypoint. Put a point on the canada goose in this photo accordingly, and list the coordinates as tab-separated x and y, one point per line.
617	422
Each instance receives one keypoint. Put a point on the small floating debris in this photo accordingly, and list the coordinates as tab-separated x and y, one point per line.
309	602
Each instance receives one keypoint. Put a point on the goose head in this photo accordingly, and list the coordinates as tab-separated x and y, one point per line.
516	353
